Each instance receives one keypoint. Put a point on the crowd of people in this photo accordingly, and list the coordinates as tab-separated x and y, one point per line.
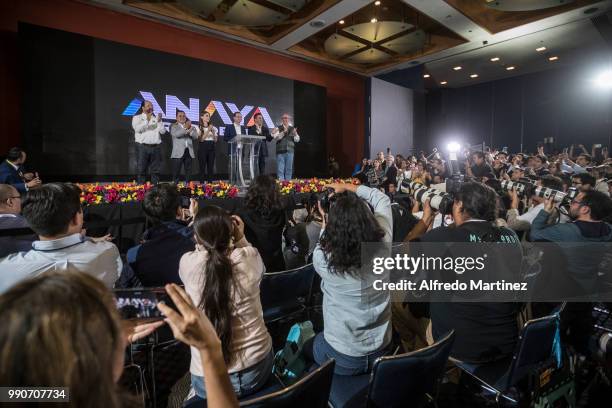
221	258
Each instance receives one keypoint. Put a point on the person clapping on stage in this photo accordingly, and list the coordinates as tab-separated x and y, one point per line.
147	130
208	135
261	147
183	135
286	136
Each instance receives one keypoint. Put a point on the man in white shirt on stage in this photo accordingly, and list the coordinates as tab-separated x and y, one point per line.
147	132
183	135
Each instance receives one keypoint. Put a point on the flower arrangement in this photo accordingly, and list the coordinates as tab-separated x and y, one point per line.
313	185
92	194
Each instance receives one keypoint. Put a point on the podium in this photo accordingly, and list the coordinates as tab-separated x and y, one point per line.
243	159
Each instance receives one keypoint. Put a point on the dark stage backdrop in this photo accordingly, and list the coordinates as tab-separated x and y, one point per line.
80	93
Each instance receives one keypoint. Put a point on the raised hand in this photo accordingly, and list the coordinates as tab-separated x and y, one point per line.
238	228
189	325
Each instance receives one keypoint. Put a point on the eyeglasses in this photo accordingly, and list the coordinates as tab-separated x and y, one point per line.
580	203
14	197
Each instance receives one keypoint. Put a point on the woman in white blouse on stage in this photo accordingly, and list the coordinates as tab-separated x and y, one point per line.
207	136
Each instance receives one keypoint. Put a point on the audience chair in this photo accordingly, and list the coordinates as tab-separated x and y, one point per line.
312	391
286	293
534	349
409	379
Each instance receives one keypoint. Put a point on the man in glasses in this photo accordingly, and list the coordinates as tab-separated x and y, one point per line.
19	239
588	211
286	136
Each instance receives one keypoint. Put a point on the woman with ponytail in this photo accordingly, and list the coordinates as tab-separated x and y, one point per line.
222	277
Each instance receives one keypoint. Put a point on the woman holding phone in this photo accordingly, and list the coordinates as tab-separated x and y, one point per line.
63	329
207	136
222	276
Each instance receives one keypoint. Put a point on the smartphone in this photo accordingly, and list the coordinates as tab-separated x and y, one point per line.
597	146
141	304
185	194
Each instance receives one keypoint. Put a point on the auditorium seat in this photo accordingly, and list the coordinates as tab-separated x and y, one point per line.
409	379
286	293
312	391
538	346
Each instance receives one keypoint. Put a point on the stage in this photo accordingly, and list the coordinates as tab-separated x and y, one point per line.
115	208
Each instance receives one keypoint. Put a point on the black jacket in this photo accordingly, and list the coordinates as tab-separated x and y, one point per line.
265	232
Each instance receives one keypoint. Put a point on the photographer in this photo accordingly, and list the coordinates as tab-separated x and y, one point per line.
155	261
523	222
483	331
480	168
587	211
301	238
583	181
357	318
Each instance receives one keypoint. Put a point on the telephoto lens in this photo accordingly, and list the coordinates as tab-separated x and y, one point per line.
439	200
521	188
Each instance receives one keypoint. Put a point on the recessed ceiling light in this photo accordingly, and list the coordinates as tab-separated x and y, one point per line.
474	76
457	68
377	3
373	20
510	68
426	76
494	59
341	22
443	83
553	58
540	49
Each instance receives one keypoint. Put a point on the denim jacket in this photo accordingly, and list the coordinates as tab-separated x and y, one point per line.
357	326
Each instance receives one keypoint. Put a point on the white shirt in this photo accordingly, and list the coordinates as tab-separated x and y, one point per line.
238	129
531	214
147	131
99	259
210	135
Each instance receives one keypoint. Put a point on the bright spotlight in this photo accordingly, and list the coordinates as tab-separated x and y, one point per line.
453	147
604	79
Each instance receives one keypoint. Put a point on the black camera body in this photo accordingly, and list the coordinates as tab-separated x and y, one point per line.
326	198
185	194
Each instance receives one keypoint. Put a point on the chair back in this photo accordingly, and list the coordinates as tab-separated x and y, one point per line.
410	377
284	292
535	347
312	391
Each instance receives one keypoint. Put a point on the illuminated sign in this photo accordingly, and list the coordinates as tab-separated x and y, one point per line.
192	110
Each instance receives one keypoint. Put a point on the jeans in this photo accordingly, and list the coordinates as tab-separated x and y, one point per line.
184	161
149	158
345	365
284	166
206	160
244	382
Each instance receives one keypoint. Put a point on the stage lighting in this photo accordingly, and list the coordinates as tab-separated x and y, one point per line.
453	147
604	79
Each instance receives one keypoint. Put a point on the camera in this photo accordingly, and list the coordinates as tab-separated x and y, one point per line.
438	200
522	188
326	198
453	184
185	194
